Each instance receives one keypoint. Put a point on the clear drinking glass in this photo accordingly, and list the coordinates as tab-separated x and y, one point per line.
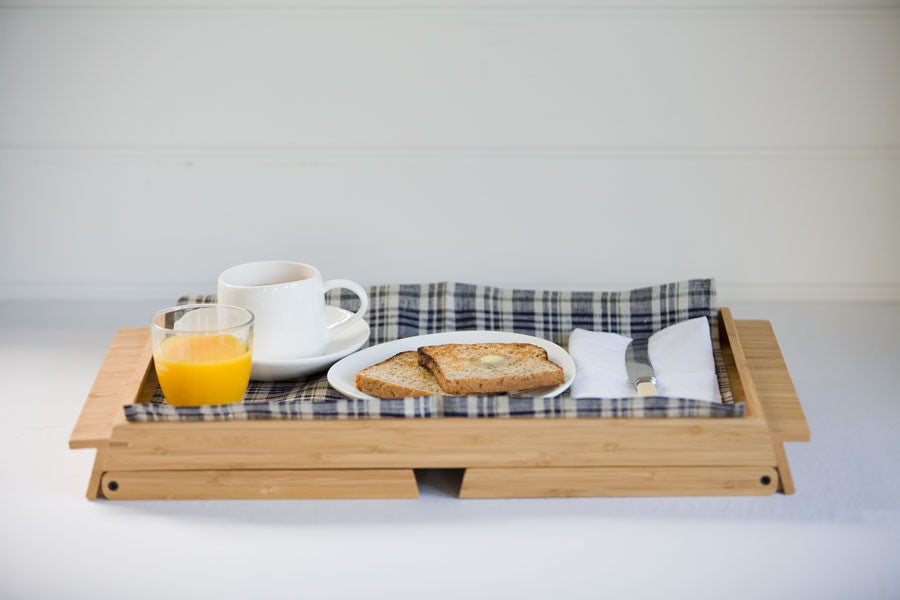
202	353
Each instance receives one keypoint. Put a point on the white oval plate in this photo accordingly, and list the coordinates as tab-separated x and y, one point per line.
350	340
342	376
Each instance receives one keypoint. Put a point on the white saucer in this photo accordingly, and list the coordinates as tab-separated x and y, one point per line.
350	340
342	376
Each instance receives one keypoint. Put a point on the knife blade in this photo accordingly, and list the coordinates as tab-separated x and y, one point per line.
640	372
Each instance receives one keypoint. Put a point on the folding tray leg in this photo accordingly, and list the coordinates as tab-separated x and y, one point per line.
93	489
544	482
785	480
259	484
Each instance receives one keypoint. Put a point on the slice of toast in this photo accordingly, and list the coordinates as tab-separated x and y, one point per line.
400	376
490	368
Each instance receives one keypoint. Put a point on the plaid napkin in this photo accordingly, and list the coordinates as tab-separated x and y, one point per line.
398	311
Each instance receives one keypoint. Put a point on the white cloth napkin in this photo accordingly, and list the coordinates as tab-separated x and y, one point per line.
681	356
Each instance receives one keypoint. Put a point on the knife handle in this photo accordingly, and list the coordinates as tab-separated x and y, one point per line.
646	386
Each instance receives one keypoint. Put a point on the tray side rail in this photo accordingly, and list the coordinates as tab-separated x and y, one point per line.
119	381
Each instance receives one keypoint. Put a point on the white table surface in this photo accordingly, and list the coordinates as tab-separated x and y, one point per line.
837	537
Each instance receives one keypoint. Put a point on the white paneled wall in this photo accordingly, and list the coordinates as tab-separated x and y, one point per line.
145	147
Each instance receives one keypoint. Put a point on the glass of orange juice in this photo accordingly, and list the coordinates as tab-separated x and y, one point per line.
202	353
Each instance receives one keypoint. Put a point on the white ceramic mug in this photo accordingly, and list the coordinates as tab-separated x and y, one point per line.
288	302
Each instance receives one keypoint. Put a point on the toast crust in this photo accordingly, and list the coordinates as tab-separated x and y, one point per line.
490	368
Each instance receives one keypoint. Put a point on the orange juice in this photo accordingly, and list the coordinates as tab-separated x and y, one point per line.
203	369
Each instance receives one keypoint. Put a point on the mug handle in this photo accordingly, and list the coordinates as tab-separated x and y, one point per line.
357	289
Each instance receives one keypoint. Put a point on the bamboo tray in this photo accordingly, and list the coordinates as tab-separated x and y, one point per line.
502	458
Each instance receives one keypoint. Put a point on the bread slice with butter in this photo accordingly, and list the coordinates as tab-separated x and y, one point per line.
490	368
400	376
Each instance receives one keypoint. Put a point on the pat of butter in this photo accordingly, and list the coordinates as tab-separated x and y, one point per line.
492	360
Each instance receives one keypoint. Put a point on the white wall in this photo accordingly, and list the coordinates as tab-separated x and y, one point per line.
144	148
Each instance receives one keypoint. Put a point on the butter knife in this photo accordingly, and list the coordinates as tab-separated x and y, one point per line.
640	372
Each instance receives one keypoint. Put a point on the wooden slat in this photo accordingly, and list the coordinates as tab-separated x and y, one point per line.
642	58
143	381
116	384
439	443
738	355
734	378
773	381
260	484
619	481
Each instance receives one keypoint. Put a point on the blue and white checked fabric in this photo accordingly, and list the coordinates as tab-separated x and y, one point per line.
398	311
